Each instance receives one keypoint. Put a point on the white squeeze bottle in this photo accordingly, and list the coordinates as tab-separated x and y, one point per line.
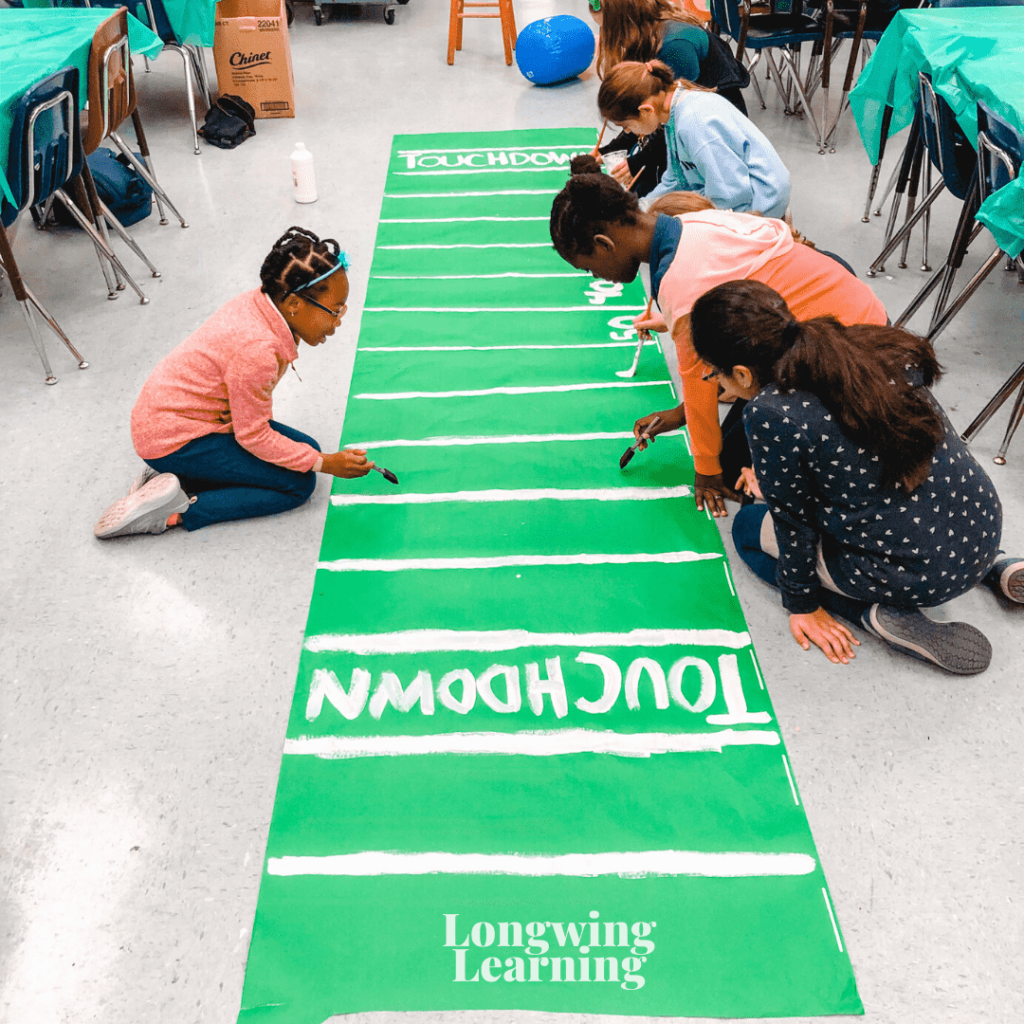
303	176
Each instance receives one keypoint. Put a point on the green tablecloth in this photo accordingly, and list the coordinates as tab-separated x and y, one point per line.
192	20
972	54
35	43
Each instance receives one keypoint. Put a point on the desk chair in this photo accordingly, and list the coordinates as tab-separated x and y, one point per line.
153	14
936	134
1000	156
45	153
767	34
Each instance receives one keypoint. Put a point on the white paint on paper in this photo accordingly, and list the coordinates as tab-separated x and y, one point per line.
423	641
400	396
510	561
455	220
629	865
528	494
527	743
832	918
447	442
553	686
789	776
496	309
735	701
513	699
612	677
390	691
349	703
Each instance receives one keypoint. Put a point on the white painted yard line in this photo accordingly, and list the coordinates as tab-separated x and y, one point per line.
460	195
468	277
629	865
510	561
789	775
454	220
832	918
757	668
497	348
471	245
728	578
458	441
572	147
526	494
398	396
432	641
550	743
498	309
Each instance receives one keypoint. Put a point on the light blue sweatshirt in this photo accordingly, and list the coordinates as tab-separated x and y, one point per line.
716	151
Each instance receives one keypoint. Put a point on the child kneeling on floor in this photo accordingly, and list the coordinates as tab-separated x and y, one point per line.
204	420
875	507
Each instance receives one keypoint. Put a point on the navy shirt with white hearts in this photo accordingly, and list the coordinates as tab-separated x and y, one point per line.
879	544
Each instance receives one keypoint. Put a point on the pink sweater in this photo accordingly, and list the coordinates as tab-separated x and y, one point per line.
219	381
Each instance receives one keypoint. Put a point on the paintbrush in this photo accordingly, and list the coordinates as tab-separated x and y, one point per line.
645	436
634	179
597	149
386	473
642	337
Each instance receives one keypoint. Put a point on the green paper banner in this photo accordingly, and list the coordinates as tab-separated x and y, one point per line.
531	761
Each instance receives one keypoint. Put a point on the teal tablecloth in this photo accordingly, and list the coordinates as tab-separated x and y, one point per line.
192	20
972	53
35	43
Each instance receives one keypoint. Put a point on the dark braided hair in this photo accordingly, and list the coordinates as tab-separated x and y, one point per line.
298	256
586	204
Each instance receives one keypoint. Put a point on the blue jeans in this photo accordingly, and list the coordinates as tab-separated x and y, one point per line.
231	483
746	535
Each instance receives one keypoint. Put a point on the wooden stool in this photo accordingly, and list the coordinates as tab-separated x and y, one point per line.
508	25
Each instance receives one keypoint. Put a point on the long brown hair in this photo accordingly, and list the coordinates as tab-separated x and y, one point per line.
859	373
634	82
631	30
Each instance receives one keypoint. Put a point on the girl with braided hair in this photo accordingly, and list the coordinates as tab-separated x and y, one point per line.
204	420
713	149
875	507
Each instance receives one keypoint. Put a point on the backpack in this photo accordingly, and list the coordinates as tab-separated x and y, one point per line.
229	122
120	186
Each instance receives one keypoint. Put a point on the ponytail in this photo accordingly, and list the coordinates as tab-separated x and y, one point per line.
632	83
858	373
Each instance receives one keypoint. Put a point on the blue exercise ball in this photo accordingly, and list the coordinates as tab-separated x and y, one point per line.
554	49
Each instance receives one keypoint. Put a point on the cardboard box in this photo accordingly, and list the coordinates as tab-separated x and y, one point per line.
253	57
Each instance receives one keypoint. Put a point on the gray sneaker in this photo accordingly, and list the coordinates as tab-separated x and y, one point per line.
145	510
142	479
1007	577
954	646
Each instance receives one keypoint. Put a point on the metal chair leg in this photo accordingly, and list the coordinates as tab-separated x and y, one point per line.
143	144
114	283
927	216
97	239
753	77
1014	382
122	231
147	174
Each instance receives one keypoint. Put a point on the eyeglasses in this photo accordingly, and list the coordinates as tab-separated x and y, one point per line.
710	375
337	314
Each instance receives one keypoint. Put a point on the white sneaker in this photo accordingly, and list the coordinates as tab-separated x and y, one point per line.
145	510
142	479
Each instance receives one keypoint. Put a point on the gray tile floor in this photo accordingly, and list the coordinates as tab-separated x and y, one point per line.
145	683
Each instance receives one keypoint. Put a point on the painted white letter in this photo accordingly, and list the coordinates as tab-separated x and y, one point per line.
513	697
389	691
735	702
612	683
657	674
553	686
444	691
325	684
706	697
